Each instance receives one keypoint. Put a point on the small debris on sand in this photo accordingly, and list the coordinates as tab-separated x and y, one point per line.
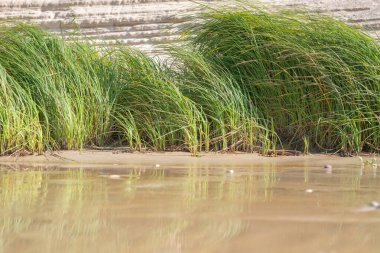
328	168
309	190
374	204
157	165
114	176
370	207
230	171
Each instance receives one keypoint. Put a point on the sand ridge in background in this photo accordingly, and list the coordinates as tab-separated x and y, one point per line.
150	24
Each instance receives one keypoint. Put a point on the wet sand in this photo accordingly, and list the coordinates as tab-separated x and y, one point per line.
101	158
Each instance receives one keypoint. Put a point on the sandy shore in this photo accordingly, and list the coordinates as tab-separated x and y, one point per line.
95	158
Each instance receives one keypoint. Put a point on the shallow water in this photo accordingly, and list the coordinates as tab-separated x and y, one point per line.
269	207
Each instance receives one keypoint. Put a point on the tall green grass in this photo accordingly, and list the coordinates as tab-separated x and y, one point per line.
56	94
247	80
231	122
60	95
151	110
184	106
20	127
315	77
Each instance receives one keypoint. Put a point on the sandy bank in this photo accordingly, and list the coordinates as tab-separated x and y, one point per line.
95	158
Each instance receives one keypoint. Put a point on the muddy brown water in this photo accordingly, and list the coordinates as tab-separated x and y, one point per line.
267	207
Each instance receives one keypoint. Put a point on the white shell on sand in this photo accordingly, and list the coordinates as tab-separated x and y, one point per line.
374	204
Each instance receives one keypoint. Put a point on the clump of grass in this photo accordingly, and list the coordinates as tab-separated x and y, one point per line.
151	111
58	94
231	122
248	80
312	75
186	106
20	127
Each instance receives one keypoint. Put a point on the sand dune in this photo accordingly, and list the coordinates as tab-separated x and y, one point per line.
150	24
